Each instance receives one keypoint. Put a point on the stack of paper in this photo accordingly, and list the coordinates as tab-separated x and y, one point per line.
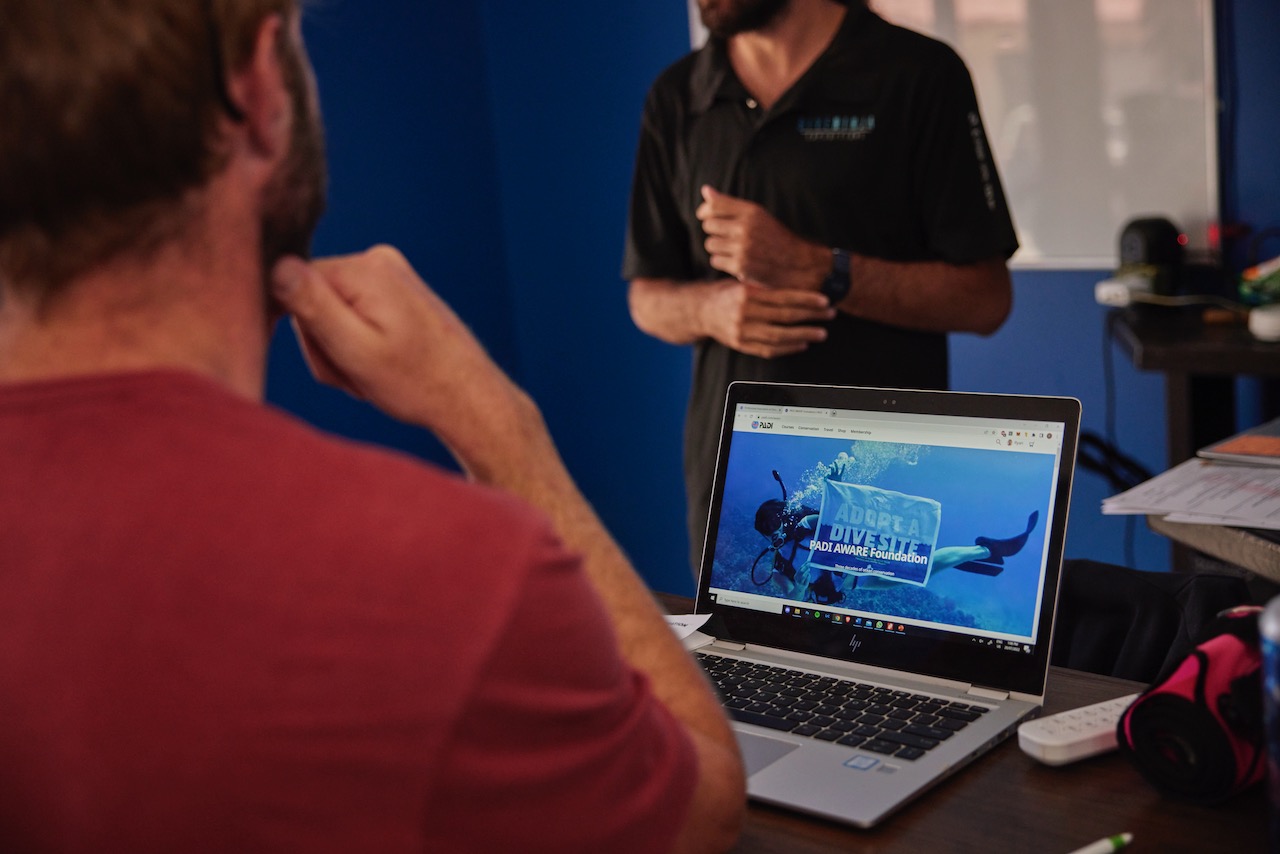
1209	493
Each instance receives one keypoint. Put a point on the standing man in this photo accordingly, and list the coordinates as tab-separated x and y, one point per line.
814	201
221	630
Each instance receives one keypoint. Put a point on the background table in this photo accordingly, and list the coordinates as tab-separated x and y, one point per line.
1200	362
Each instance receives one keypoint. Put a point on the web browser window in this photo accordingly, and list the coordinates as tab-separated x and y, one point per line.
900	522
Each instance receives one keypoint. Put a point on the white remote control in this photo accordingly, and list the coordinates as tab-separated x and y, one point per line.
1077	734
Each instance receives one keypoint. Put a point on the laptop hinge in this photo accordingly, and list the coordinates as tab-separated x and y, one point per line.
987	693
731	645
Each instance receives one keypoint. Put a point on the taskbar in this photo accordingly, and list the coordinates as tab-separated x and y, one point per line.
876	622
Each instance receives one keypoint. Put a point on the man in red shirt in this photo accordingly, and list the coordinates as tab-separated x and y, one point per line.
221	630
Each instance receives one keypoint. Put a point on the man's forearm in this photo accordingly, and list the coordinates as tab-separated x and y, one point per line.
930	295
519	457
668	310
525	462
512	450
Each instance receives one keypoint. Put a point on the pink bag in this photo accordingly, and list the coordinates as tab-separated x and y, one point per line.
1197	733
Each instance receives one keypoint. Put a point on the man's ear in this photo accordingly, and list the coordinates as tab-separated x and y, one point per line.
259	90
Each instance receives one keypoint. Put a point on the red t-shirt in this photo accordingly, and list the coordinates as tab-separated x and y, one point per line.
221	630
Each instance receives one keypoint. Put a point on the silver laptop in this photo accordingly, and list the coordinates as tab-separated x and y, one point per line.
881	569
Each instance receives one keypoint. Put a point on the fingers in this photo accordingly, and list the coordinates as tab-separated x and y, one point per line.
717	205
314	300
319	363
744	241
771	332
771	323
722	227
709	197
787	305
322	316
769	348
368	324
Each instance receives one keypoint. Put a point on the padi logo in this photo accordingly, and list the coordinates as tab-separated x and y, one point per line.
761	425
835	128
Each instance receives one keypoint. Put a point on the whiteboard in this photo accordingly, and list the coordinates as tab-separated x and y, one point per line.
1098	111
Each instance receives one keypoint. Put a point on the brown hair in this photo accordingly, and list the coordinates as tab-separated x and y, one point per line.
110	113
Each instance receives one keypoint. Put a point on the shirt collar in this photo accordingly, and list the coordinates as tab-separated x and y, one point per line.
713	78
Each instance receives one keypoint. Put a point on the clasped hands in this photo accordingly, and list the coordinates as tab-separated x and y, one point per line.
771	307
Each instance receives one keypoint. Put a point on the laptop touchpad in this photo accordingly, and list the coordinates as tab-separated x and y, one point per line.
759	752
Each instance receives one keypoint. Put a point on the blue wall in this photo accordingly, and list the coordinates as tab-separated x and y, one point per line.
405	96
492	142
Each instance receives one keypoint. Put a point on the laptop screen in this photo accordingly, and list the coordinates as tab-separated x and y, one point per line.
918	531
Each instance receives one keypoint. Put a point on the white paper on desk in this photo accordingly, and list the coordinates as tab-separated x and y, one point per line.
686	624
1171	491
1204	492
686	628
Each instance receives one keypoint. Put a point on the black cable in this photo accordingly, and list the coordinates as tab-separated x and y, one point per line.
1109	420
1101	454
1108	377
1102	457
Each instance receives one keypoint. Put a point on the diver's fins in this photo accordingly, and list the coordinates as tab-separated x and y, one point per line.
1011	546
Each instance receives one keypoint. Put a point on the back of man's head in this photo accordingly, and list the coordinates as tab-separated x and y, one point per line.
110	115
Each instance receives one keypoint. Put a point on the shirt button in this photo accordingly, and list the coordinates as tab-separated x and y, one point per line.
752	103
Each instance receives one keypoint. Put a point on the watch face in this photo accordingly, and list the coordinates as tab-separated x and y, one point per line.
836	285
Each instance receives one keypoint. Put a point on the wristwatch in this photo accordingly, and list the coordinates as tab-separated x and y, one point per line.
836	285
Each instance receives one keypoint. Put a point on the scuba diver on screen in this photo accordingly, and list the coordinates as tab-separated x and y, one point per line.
787	529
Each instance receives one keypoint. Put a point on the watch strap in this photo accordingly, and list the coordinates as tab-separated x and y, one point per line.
836	285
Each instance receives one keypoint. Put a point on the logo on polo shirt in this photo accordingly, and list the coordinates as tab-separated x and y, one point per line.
835	128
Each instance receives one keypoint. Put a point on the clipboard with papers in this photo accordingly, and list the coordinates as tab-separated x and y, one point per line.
1208	492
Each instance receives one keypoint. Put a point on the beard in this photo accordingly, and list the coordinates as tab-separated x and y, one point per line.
726	18
294	197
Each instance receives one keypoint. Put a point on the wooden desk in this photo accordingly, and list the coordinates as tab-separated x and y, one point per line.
1007	802
1254	557
1200	362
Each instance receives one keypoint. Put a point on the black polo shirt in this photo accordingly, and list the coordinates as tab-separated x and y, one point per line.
878	149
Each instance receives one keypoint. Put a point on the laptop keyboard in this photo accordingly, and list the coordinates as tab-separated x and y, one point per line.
870	717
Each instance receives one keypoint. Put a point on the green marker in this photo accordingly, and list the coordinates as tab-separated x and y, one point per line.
1106	846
